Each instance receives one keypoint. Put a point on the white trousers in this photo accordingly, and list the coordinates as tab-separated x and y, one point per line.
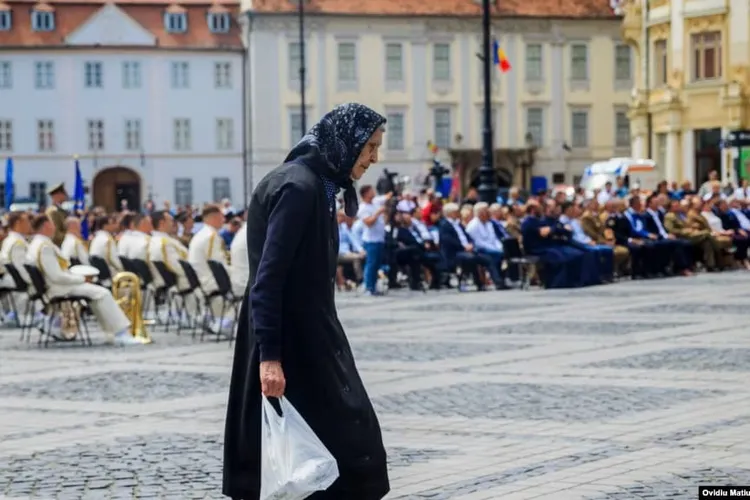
109	315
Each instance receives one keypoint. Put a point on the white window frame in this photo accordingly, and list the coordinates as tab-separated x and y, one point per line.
6	135
700	43
293	49
182	134
180	74
95	130
222	188
45	131
131	75
441	62
133	134
183	191
44	75
224	134
534	66
93	74
38	191
442	130
394	62
223	75
623	63
175	22
295	127
43	21
347	64
580	128
219	22
579	62
6	75
536	129
396	136
6	20
622	135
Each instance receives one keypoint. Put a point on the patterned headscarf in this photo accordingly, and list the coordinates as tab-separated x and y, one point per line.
337	141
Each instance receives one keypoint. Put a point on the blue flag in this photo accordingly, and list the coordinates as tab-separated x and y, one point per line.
9	194
79	198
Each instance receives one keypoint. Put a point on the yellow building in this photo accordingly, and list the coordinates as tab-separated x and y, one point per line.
416	62
693	58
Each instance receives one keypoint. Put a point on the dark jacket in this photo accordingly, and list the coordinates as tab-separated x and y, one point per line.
450	243
292	250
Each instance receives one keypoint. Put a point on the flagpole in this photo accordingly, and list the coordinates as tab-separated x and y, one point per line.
487	188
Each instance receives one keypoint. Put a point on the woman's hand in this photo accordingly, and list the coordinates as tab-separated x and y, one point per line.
272	381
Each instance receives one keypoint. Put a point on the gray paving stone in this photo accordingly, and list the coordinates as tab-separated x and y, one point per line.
565	403
368	322
476	307
152	466
685	358
679	485
424	351
603	328
121	386
692	308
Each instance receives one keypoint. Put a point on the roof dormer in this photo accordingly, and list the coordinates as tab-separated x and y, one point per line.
175	19
218	19
6	18
43	17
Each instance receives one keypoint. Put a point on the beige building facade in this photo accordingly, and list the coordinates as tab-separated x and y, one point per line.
693	58
568	89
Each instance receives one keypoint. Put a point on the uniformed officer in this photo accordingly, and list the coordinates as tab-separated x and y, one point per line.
56	213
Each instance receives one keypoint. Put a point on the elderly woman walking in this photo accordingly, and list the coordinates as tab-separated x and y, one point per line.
290	341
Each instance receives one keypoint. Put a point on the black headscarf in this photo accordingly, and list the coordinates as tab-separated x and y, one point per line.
337	140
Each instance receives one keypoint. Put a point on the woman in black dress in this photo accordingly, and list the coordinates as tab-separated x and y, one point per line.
289	339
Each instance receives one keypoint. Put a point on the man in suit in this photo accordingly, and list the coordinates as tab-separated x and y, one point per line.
740	236
56	213
605	254
455	246
596	229
499	224
680	252
675	222
414	247
632	236
486	242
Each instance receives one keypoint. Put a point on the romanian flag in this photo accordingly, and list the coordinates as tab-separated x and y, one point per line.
498	56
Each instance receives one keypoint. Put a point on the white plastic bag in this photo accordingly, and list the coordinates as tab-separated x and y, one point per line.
294	462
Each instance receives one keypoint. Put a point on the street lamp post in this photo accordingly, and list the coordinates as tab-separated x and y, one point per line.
302	70
487	187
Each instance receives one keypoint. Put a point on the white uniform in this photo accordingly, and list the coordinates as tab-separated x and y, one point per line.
13	251
104	246
206	245
50	261
73	248
239	269
134	245
164	248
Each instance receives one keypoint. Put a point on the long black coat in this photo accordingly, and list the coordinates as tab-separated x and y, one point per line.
289	315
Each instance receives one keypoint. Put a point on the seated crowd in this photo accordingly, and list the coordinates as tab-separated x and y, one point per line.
420	241
169	249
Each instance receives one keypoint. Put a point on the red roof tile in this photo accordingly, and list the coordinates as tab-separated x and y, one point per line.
69	16
582	9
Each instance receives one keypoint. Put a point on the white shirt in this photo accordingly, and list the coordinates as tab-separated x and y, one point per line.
655	216
73	248
742	193
136	247
483	235
239	261
207	244
124	242
713	220
424	233
376	232
459	231
103	245
603	197
13	251
742	218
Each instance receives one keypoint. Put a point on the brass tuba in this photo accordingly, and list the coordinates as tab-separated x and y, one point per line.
126	289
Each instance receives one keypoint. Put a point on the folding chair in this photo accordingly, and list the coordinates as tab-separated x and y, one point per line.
127	265
176	299
516	256
53	307
141	268
195	284
225	291
20	287
101	265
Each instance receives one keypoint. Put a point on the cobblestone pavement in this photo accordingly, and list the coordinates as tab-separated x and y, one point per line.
637	390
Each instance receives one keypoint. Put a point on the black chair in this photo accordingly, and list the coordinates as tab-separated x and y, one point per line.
516	257
142	269
101	265
225	290
20	286
75	261
53	307
127	265
176	299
